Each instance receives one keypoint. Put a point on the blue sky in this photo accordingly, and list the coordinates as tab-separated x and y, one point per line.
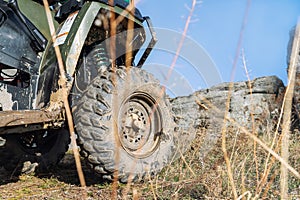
216	28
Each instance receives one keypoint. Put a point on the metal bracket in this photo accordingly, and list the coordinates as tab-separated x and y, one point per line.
151	43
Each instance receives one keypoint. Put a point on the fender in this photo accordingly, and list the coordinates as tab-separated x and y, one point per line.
80	29
71	49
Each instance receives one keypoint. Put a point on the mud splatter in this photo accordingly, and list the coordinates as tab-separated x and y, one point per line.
6	98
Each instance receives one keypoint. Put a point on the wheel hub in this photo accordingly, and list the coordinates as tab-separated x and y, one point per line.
140	124
134	126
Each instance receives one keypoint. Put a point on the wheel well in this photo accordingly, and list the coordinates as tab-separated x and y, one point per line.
100	32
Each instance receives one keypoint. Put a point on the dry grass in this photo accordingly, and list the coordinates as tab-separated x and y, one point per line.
190	177
210	178
235	168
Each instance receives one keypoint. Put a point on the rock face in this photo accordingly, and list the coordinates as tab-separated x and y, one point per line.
296	101
293	58
253	105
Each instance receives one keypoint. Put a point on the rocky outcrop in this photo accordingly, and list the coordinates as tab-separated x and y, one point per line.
254	105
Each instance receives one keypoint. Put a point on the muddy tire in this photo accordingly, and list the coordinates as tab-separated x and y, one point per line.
44	148
124	125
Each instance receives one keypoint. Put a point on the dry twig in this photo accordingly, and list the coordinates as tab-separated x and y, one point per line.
65	97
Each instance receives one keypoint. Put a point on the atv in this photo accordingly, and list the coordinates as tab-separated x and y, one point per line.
122	116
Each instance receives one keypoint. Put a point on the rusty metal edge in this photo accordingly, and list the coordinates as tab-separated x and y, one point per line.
18	121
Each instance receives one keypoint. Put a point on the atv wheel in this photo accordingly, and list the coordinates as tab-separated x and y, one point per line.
124	125
45	148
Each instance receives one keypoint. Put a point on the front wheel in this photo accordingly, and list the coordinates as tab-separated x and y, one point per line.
124	124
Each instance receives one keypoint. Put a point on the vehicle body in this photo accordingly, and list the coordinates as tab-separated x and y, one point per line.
41	85
32	94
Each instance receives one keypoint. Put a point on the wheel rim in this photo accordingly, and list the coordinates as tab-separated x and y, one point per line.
140	125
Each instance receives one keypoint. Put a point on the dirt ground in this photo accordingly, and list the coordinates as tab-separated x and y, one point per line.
60	183
191	177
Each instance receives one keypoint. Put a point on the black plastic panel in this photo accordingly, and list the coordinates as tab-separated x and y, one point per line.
2	17
15	47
